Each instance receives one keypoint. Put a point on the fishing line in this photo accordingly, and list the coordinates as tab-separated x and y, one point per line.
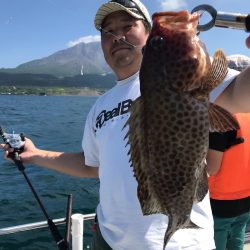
121	39
4	121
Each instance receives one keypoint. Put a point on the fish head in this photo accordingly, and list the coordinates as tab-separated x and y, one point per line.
173	53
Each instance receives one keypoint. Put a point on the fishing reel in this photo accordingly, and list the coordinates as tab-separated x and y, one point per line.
15	141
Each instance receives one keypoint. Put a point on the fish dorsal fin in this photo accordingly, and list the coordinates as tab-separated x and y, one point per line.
220	119
139	157
217	72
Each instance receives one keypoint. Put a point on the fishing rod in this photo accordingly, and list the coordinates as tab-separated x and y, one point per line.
16	142
222	19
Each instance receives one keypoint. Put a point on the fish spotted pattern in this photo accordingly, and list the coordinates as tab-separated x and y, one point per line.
170	122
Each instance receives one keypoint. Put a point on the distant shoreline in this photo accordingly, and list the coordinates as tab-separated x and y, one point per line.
51	91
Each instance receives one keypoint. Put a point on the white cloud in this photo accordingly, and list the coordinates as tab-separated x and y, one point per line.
9	20
168	5
84	39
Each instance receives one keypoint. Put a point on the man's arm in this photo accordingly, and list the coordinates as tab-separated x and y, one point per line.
67	163
218	144
238	99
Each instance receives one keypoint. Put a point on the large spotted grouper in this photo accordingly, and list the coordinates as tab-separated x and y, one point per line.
170	122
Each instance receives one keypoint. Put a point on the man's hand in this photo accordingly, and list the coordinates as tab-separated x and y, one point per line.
7	150
28	151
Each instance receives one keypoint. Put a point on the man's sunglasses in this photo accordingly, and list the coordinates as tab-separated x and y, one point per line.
131	5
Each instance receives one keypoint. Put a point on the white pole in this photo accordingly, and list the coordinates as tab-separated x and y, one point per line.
77	231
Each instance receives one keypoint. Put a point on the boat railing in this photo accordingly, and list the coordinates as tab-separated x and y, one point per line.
77	228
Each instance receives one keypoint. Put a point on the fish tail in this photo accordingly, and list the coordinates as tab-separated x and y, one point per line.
172	227
192	225
175	223
167	237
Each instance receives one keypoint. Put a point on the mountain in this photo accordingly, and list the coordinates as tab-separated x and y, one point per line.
85	57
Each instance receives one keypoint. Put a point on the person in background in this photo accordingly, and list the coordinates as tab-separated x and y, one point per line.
228	160
124	27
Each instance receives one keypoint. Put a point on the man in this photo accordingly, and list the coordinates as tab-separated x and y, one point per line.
229	161
124	27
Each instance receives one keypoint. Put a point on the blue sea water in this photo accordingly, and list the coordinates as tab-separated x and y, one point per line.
53	123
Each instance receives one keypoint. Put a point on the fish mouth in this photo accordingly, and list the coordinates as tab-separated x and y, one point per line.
182	21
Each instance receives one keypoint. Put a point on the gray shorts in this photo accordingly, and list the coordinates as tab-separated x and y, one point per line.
98	243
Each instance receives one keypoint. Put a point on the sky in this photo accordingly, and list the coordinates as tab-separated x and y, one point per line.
33	29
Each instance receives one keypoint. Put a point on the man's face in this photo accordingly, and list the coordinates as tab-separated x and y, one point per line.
119	55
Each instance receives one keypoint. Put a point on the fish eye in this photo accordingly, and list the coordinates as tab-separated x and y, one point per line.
157	42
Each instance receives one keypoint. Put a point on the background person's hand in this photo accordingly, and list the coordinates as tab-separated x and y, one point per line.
248	42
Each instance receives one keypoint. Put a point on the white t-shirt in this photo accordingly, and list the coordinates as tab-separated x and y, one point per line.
119	214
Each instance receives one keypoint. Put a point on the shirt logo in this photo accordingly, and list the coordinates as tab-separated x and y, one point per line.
105	115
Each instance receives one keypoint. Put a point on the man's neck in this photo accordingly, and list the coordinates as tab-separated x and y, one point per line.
125	73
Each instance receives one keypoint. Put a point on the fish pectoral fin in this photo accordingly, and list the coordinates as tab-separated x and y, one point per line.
217	72
220	119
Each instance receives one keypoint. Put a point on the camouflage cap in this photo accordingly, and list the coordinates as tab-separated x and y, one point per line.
135	8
